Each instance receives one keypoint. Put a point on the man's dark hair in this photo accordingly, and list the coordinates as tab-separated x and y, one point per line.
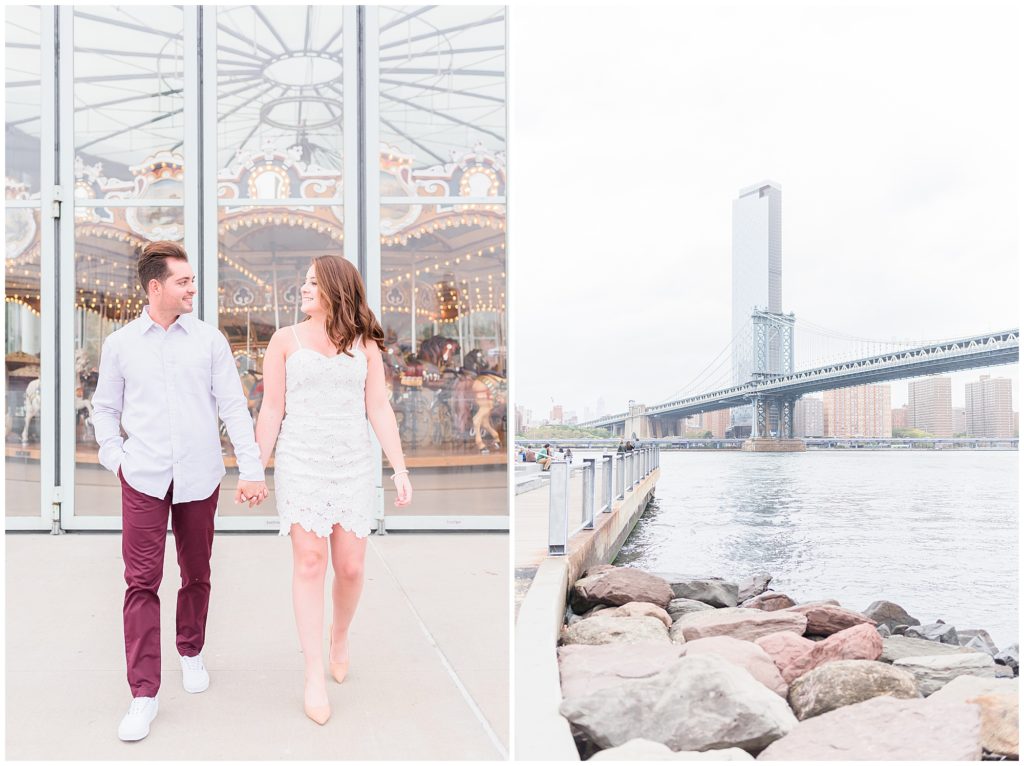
153	261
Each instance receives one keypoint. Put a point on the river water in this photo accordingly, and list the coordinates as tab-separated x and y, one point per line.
936	532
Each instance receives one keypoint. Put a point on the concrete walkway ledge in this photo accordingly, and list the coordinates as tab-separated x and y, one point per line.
542	733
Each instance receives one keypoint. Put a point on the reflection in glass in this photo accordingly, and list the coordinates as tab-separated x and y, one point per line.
129	93
22	400
279	90
22	100
107	297
442	82
443	314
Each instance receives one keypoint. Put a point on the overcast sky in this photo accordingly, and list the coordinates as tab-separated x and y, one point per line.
894	133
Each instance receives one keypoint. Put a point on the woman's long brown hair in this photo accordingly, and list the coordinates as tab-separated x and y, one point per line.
348	314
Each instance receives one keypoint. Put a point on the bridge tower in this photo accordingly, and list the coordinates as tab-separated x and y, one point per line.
773	355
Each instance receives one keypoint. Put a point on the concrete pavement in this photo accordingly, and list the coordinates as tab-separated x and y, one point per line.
430	654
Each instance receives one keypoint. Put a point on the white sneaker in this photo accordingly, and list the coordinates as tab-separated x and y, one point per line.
194	677
135	724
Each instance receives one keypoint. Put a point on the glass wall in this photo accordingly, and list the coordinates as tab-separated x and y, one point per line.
267	102
129	129
22	397
442	173
279	181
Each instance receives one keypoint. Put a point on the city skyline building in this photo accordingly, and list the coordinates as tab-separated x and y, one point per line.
717	422
858	411
899	417
959	421
756	274
989	407
809	417
557	414
930	405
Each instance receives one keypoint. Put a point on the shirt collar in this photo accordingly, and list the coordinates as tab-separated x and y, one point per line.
184	321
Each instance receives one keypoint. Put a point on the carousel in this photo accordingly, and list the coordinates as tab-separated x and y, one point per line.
442	284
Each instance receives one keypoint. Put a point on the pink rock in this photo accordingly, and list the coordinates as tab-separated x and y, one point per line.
793	659
746	654
744	624
616	586
585	669
824	619
769	601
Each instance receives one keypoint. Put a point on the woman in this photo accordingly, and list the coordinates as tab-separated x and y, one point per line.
325	378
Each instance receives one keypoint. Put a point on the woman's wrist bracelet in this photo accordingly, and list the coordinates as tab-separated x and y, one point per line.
396	474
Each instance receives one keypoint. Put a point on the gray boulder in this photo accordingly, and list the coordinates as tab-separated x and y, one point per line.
884	729
616	586
897	647
889	614
587	668
648	750
1008	657
610	630
883	630
847	682
979	640
963	688
697	703
718	593
934	631
935	671
677	607
1004	672
754	585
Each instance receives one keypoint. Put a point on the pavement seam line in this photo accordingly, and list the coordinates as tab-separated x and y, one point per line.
449	669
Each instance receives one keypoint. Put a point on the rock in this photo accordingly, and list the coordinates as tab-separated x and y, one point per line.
935	631
635	609
826	619
648	750
677	607
746	654
608	630
1004	672
753	586
897	647
934	672
883	630
847	682
1008	657
697	703
861	642
769	601
571	617
616	586
899	630
962	688
785	648
745	624
718	593
889	614
978	640
822	602
884	729
589	668
999	723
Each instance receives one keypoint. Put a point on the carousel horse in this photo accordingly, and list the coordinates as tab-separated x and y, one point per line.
439	351
480	397
34	398
33	406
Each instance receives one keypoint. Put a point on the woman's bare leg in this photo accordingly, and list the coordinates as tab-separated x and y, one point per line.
309	560
348	553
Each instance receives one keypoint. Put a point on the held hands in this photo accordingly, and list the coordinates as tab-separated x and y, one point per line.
404	489
252	492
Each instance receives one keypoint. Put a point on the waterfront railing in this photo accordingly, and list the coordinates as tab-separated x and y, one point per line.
620	474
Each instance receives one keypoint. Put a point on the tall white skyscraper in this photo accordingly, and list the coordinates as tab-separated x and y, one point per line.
756	272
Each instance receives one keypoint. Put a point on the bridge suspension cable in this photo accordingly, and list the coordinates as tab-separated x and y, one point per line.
702	381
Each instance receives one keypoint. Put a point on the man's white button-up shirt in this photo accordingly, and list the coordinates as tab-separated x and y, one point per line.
166	388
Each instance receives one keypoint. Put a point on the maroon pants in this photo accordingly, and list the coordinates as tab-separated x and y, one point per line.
143	540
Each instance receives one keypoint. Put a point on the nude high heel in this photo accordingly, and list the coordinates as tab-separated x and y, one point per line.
316	713
338	669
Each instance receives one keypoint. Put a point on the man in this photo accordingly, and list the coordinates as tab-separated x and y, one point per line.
544	457
165	377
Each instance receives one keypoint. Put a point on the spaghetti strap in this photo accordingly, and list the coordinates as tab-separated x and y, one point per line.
296	334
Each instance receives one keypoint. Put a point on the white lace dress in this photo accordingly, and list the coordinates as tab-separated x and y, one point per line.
323	471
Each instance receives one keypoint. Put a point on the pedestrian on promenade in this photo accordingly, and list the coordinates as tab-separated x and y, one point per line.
323	380
629	446
164	378
568	455
544	457
621	448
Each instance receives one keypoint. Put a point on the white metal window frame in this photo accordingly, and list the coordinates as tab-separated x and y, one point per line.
362	203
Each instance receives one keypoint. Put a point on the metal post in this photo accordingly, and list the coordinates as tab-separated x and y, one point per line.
607	462
589	485
558	509
620	476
